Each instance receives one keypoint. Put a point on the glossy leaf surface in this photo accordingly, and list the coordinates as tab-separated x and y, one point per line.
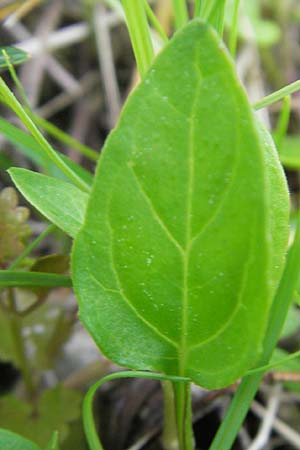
61	202
186	227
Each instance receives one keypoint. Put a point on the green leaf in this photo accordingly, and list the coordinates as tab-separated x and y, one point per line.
29	147
12	441
186	228
56	409
15	56
61	202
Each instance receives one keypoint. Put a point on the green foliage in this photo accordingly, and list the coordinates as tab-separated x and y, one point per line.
61	202
14	230
55	410
12	441
13	54
185	199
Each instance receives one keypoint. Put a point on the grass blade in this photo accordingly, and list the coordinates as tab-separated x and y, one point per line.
8	98
11	278
139	34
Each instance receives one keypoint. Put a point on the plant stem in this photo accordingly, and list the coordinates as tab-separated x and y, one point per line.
234	29
155	22
170	436
8	98
183	405
278	95
283	122
197	8
65	138
16	331
139	34
18	278
88	420
31	247
213	12
246	391
180	12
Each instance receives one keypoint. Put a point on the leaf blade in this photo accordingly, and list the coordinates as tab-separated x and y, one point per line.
178	258
61	202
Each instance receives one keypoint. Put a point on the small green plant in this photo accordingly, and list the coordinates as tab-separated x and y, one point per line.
179	249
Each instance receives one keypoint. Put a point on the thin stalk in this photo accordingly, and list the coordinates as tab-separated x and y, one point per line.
8	98
139	34
11	278
247	389
16	331
213	12
15	79
183	405
283	122
155	22
87	413
197	8
50	128
234	29
266	368
65	138
180	12
278	95
31	247
170	435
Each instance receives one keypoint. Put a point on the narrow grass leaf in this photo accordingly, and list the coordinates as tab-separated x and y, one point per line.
11	278
8	98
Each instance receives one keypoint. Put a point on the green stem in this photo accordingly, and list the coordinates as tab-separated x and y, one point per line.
283	122
88	419
278	95
11	278
247	389
16	331
67	139
8	98
213	12
234	29
139	34
155	22
180	12
183	405
31	247
170	435
197	8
